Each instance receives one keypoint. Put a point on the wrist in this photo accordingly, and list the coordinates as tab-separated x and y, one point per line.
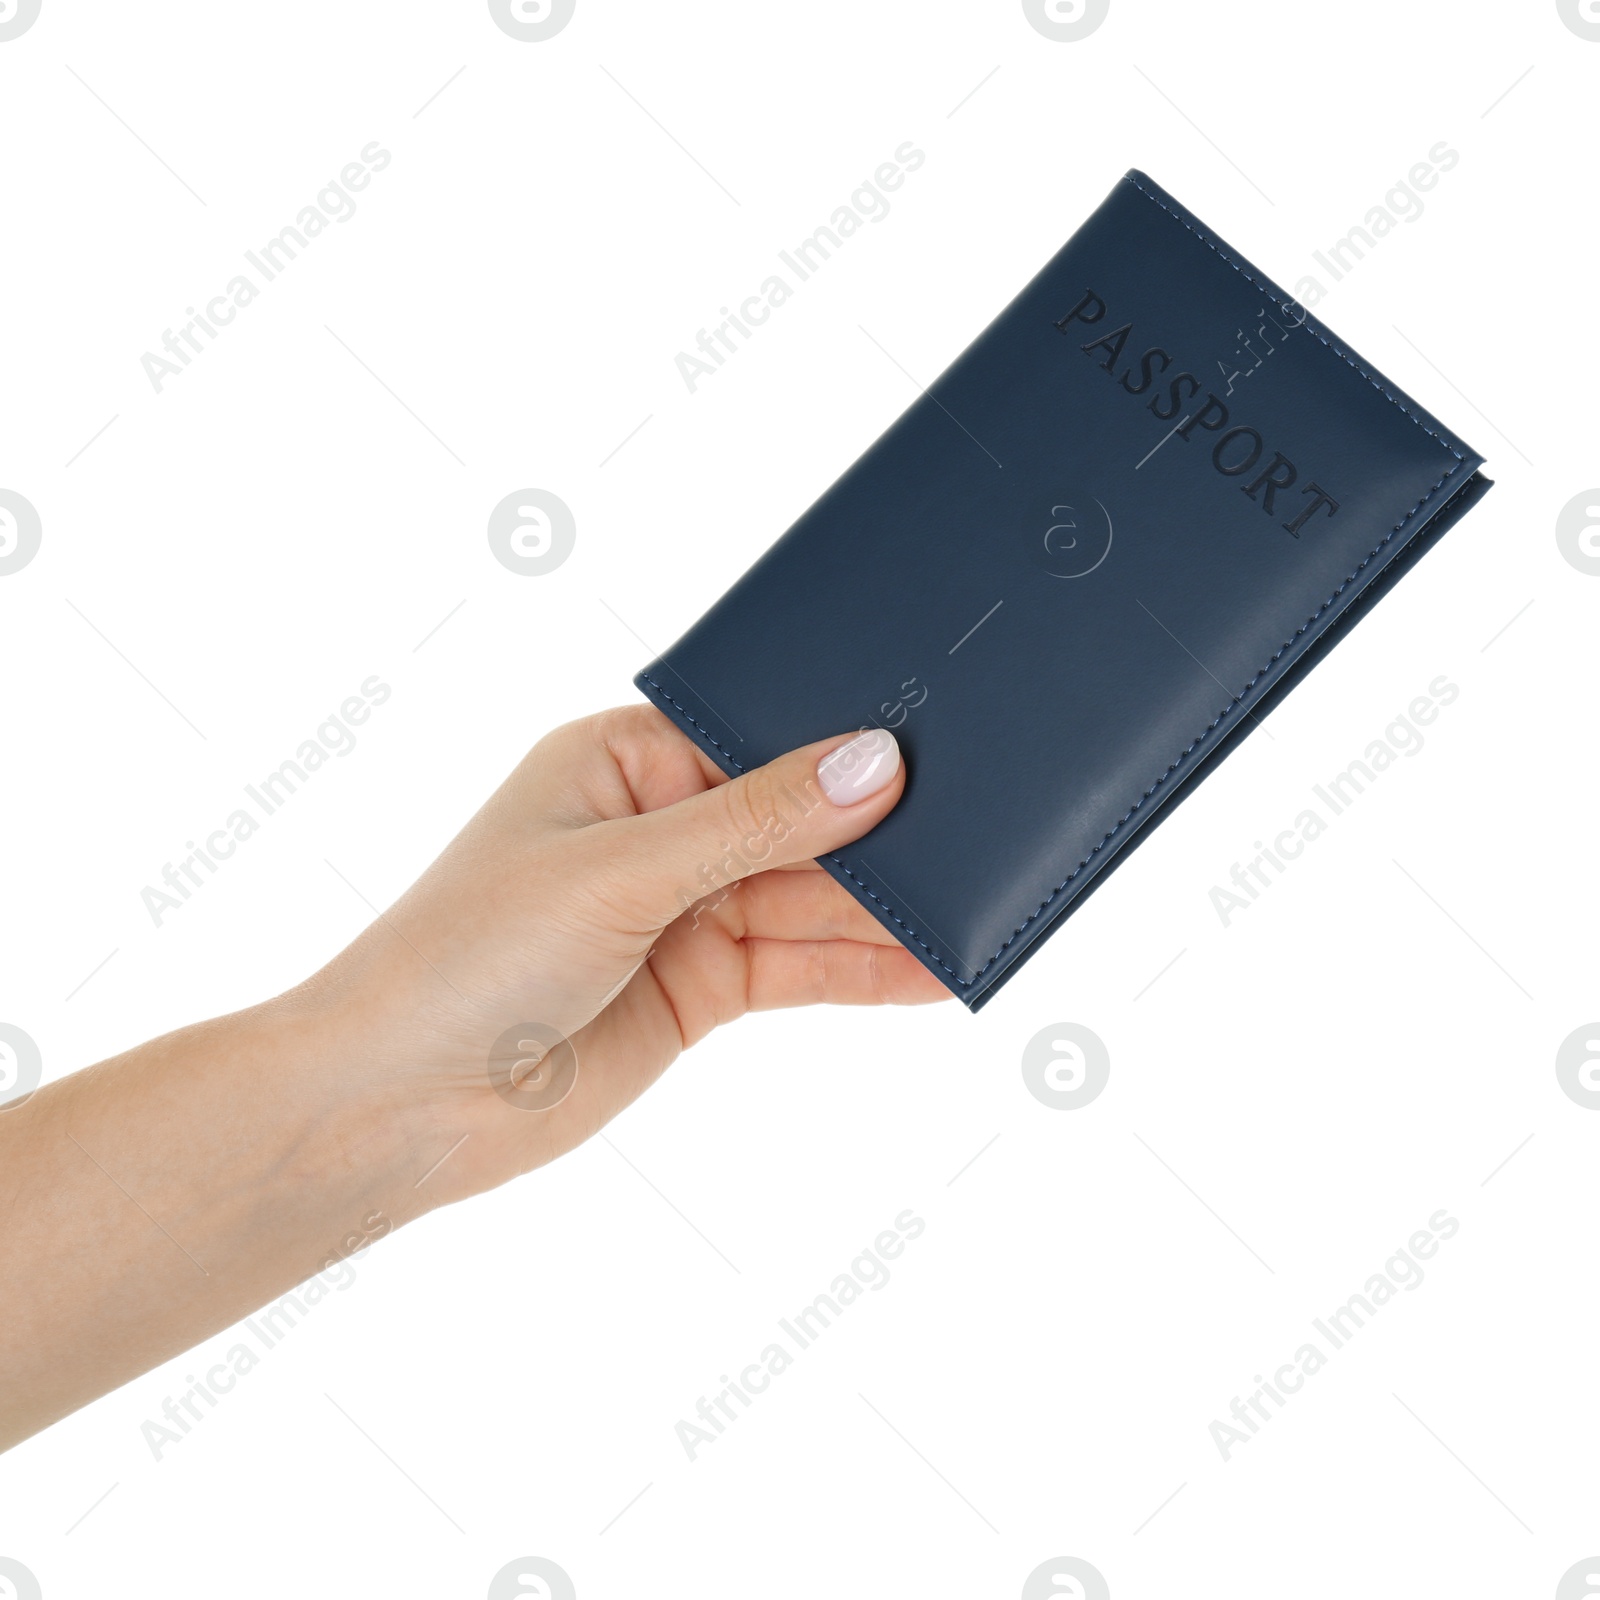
341	1117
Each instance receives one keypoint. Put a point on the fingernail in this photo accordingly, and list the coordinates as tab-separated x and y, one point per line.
859	769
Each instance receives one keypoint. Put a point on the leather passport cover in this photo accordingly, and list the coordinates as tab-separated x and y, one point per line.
1079	568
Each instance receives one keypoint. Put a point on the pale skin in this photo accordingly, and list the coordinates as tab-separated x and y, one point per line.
158	1197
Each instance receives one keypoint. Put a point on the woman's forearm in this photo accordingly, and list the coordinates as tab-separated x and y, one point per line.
160	1196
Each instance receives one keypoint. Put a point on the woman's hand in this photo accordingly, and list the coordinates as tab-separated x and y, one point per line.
610	905
615	901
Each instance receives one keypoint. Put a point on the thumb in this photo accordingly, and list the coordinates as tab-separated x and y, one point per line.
804	804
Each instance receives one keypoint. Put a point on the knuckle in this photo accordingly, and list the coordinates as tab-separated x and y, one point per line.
878	985
816	985
567	740
751	809
830	905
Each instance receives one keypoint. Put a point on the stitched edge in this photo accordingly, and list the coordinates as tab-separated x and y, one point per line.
1238	700
1343	355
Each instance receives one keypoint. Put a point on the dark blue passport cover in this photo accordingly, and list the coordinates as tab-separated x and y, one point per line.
1106	540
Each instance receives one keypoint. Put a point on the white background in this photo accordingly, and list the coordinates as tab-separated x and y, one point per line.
1290	1099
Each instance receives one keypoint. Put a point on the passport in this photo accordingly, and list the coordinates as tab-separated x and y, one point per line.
1081	567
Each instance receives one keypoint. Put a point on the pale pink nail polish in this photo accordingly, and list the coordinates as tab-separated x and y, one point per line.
859	769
